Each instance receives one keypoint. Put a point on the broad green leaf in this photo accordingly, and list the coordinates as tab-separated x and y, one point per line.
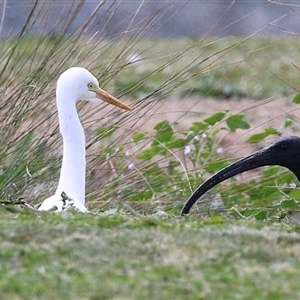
163	126
289	204
296	99
151	152
138	136
163	137
294	193
217	117
237	121
270	171
147	154
255	138
288	122
262	215
164	133
269	192
177	143
285	177
113	150
198	127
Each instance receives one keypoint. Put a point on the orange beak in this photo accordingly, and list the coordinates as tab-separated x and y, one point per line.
111	99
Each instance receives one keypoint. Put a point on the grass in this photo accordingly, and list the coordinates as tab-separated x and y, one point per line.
91	256
169	72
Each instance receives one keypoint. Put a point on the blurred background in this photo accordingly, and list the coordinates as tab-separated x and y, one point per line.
158	18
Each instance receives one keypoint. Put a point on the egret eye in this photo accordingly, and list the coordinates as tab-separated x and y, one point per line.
90	86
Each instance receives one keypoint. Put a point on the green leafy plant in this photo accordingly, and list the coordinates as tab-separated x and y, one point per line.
173	163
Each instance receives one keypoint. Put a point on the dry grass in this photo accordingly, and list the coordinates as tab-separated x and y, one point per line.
177	80
168	71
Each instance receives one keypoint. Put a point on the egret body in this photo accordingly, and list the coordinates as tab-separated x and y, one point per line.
73	85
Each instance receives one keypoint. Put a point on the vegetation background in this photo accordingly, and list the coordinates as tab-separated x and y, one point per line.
200	101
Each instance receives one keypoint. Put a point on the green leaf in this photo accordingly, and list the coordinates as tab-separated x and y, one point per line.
151	152
106	131
296	99
138	136
198	127
163	126
147	154
288	122
177	143
289	204
163	138
270	171
248	212
237	121
164	133
217	117
262	215
294	193
255	138
269	192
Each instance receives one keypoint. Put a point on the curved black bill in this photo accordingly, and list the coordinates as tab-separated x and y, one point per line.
284	152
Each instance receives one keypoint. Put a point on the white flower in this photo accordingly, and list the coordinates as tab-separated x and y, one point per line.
292	185
187	150
238	178
131	166
219	150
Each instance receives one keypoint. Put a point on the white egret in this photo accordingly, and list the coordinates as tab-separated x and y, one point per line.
73	85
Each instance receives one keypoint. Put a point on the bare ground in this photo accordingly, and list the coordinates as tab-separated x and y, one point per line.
259	114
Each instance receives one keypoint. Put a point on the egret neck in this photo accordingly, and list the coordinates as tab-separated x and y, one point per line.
72	174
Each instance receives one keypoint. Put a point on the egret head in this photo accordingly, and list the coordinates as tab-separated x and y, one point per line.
84	86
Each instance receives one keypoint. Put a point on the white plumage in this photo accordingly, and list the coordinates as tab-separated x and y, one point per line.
73	85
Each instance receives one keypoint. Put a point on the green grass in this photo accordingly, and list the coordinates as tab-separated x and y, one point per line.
254	68
88	256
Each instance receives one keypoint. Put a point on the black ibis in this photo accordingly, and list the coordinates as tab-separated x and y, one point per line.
284	152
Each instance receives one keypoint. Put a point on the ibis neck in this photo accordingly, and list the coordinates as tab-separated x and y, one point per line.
72	173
